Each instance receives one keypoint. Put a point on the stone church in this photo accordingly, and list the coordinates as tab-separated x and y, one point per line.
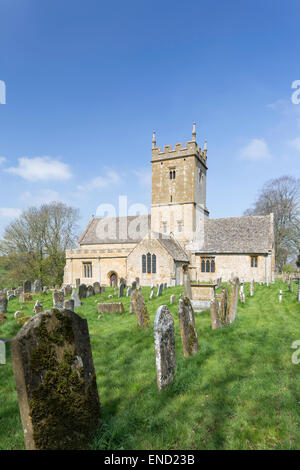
178	233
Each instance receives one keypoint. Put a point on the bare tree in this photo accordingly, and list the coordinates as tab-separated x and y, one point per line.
35	243
281	196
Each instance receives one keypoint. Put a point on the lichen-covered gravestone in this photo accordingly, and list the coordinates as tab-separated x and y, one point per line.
160	290
90	291
216	322
164	339
188	332
37	286
3	307
172	299
140	309
69	304
38	308
67	290
56	382
58	299
121	290
233	300
187	282
27	286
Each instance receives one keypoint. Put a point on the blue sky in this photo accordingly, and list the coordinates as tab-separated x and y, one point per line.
88	81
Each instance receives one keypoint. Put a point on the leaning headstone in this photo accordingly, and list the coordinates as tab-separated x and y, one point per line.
82	291
27	286
69	305
152	293
76	298
164	339
58	300
37	286
159	290
56	382
38	308
188	332
172	299
90	291
140	309
97	288
233	300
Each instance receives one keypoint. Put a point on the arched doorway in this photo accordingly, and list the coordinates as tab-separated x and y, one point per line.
113	279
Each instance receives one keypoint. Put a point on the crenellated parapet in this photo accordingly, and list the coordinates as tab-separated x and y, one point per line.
190	149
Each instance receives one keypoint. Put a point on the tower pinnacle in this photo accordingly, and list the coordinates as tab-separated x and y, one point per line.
194	132
153	140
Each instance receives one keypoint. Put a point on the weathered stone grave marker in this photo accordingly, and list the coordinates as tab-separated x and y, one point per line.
140	309
55	381
58	300
164	339
188	332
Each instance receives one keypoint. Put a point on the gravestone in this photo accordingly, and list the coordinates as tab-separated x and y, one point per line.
164	339
58	300
45	289
133	285
69	305
233	300
11	297
27	287
3	303
82	291
216	322
187	282
67	290
172	299
90	291
113	307
128	292
165	285
121	290
280	296
251	288
131	311
37	286
38	308
97	288
55	381
77	283
137	280
159	290
140	309
76	298
102	289
152	293
188	332
25	297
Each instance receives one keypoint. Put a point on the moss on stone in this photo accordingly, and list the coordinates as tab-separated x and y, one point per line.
62	409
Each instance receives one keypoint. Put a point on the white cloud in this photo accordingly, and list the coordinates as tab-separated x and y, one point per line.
100	182
257	149
43	196
40	169
10	212
144	176
295	143
2	160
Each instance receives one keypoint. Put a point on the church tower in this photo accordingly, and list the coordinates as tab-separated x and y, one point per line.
179	190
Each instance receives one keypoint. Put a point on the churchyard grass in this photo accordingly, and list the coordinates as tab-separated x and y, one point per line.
240	391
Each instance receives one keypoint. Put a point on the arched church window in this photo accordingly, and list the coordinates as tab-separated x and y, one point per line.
153	264
207	266
144	263
203	266
148	263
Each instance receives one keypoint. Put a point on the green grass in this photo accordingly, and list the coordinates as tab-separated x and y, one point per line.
240	391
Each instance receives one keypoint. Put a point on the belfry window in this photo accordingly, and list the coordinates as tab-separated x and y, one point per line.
149	263
87	270
172	174
208	265
254	261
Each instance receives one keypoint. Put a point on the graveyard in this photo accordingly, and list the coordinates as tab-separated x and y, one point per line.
238	390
